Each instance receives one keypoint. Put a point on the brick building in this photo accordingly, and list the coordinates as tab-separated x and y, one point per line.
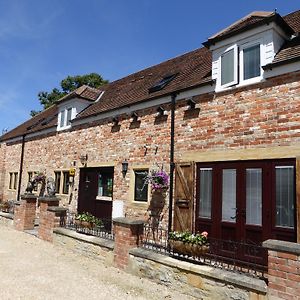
235	106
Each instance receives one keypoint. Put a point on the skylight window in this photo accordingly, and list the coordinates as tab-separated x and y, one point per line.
162	83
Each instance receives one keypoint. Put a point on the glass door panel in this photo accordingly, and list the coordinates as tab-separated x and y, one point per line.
229	195
285	195
205	195
254	197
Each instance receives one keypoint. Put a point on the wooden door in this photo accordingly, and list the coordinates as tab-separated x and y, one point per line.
183	196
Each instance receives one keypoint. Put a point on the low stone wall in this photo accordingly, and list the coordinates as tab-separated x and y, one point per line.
6	219
200	281
90	246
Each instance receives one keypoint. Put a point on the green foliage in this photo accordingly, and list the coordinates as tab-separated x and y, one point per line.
188	237
87	217
68	85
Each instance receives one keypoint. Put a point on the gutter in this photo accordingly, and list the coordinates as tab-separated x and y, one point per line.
21	168
281	63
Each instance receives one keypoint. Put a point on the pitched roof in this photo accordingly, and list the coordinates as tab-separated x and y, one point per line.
254	19
192	69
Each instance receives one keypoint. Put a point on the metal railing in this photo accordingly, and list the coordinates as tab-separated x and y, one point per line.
240	257
104	231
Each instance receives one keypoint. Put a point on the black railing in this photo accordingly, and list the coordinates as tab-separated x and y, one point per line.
228	255
102	231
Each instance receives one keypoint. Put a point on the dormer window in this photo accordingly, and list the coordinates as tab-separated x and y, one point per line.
65	116
251	62
229	67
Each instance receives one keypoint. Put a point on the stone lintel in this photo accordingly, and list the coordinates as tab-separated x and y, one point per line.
127	222
282	246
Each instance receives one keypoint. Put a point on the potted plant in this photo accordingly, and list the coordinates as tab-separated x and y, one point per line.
87	220
189	243
159	180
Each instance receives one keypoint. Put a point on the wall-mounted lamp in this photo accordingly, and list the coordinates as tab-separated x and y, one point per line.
116	121
124	167
191	104
134	117
160	111
83	159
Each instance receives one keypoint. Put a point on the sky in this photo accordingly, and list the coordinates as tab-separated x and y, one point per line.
44	41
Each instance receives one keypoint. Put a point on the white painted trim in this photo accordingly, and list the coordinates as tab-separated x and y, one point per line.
283	69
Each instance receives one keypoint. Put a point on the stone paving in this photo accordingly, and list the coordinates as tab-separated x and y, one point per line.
34	269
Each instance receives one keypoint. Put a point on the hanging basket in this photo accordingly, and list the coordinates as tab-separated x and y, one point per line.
188	248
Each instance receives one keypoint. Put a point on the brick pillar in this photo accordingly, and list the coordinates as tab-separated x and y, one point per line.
283	269
24	214
128	235
53	217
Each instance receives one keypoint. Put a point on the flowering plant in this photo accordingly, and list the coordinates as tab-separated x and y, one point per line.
159	180
189	238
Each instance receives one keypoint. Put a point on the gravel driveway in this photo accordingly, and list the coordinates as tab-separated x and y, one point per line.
34	269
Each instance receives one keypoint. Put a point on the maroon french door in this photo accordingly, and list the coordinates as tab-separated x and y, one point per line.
248	201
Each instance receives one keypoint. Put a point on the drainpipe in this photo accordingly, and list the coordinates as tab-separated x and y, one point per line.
21	168
172	164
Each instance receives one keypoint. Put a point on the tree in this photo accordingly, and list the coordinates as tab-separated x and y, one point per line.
68	85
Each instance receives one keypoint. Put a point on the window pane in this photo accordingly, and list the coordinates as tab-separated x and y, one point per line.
105	184
62	119
66	183
254	196
285	196
15	181
205	193
57	182
251	62
227	67
229	195
69	116
10	181
141	187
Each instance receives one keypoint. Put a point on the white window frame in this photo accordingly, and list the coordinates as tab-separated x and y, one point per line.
64	112
241	57
235	69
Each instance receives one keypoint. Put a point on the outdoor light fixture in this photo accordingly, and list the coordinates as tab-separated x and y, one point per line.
124	167
160	111
83	159
191	104
116	121
134	117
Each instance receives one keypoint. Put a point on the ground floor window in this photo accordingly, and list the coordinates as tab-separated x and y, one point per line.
247	200
13	180
140	186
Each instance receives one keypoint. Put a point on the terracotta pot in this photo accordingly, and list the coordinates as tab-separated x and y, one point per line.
88	225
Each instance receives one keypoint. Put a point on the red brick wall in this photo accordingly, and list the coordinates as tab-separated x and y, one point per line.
262	115
284	275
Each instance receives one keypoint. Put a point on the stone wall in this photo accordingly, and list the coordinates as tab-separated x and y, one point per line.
283	269
255	117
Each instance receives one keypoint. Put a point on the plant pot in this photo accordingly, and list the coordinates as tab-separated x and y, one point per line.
88	225
188	249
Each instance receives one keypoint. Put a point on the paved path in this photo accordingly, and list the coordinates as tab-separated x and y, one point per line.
33	269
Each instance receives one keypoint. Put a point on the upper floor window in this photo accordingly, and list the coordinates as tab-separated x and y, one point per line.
240	64
65	116
140	185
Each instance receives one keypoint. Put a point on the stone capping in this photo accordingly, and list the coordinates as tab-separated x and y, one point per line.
56	209
238	279
48	199
28	196
282	246
6	215
126	221
85	238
